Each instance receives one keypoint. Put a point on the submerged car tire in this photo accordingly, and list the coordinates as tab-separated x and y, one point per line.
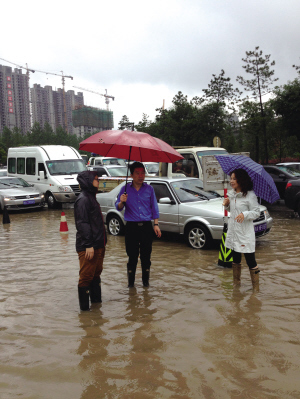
52	203
198	236
115	226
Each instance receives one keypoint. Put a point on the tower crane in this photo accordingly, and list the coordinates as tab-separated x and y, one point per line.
47	73
107	97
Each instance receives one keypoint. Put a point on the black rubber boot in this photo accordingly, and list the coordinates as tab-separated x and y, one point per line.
131	278
145	277
95	290
84	298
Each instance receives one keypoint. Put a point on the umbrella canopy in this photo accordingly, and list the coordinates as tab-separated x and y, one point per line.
263	184
128	144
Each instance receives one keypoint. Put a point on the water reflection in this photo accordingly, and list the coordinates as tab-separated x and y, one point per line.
93	352
190	335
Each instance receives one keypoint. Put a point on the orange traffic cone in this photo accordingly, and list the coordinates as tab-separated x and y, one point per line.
63	224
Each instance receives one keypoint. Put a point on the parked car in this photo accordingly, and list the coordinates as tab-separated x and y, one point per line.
3	171
292	195
110	170
100	161
293	165
184	208
151	168
281	175
17	194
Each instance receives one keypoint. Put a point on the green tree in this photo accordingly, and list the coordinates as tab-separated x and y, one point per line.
7	138
124	123
260	68
143	125
222	91
286	105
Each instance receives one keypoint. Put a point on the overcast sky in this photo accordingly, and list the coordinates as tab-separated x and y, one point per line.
145	52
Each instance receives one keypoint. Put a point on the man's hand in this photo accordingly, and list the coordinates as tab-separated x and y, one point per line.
89	253
157	231
123	199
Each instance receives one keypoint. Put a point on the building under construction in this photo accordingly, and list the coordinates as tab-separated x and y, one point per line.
91	120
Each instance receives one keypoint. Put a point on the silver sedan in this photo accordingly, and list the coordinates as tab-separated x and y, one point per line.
17	194
184	208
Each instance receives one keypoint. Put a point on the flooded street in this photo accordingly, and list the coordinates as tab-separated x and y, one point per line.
188	336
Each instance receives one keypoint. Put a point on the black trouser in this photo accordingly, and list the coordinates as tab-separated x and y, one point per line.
138	241
250	258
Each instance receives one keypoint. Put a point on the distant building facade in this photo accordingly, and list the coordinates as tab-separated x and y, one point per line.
14	99
91	120
48	106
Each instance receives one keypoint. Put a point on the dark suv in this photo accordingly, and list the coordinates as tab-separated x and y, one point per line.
292	195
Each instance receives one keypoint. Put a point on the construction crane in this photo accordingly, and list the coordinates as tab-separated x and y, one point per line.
47	73
107	97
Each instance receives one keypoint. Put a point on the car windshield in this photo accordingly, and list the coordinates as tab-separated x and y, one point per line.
13	182
192	190
152	167
118	171
200	154
66	167
114	161
289	169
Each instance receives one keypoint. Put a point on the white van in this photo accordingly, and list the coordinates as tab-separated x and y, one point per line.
191	165
52	169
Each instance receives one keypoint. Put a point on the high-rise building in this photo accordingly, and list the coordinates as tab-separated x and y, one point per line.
49	106
91	120
14	99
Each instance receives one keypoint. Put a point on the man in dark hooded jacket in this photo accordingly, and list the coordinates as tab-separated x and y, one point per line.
90	239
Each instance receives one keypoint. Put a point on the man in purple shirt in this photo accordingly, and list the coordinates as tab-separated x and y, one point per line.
140	208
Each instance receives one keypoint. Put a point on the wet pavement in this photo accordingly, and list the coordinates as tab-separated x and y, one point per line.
189	335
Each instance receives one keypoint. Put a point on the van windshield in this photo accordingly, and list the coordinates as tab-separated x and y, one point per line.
66	167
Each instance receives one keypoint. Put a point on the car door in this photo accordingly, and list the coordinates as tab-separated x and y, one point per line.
279	178
168	213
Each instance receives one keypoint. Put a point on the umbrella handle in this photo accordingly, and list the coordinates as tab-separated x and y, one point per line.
125	192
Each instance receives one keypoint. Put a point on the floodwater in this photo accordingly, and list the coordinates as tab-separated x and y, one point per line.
189	335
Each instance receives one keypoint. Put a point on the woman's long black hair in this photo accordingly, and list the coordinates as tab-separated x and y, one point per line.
243	180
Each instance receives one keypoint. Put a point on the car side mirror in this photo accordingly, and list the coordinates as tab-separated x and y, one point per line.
282	176
42	174
166	200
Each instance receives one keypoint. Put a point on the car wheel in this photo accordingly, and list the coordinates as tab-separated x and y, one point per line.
51	201
115	226
198	236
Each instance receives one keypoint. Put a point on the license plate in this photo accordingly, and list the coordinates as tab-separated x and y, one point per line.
260	227
29	202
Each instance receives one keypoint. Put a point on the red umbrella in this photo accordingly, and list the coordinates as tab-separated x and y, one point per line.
128	144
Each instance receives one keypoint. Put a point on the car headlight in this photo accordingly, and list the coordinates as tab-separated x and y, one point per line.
9	198
267	215
65	189
42	195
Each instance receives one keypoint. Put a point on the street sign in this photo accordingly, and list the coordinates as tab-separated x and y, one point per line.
213	176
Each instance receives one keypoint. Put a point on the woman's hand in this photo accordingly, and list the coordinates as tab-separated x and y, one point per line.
226	202
240	218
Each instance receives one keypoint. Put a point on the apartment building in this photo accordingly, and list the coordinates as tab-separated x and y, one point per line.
48	106
14	99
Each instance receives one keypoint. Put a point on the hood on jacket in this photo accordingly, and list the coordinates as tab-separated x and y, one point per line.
85	180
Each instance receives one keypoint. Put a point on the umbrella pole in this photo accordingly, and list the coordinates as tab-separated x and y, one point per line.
127	170
225	255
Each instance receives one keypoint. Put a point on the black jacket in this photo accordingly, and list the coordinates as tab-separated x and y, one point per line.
88	216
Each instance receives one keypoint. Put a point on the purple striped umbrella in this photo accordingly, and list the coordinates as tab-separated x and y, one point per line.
263	184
